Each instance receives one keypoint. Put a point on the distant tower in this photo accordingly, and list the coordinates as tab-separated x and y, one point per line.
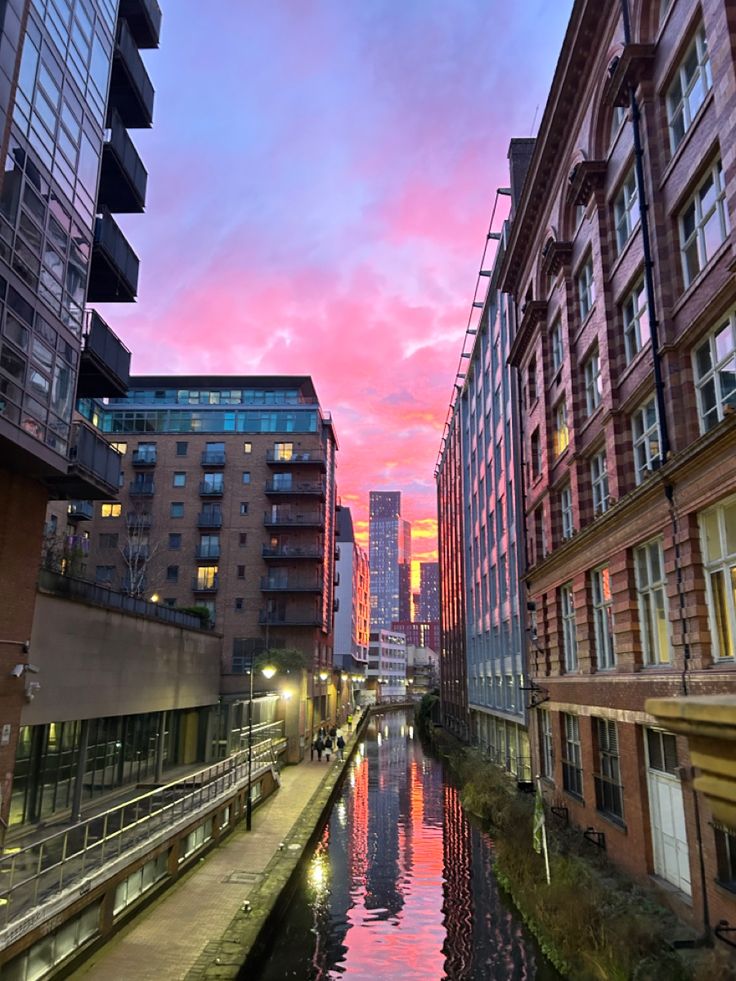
429	592
390	550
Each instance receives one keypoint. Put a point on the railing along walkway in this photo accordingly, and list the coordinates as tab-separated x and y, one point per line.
35	874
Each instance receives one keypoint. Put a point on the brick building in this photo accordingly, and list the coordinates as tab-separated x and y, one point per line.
626	353
227	503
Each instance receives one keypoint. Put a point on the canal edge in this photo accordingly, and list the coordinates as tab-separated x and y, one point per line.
244	941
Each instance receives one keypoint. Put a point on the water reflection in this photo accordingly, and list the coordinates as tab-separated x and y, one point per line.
400	885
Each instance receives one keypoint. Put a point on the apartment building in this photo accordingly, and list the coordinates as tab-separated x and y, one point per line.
428	604
352	597
226	505
621	264
389	547
73	84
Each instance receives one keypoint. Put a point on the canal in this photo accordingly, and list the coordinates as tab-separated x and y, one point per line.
400	885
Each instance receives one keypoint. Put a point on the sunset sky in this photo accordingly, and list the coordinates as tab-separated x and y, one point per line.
321	174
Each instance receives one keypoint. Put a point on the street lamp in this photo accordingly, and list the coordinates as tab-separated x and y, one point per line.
268	672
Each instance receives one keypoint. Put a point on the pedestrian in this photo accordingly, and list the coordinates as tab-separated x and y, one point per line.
319	746
333	733
322	733
350	723
340	747
328	748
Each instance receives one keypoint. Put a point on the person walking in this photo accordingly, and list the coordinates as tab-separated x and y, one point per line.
340	746
319	746
350	723
328	748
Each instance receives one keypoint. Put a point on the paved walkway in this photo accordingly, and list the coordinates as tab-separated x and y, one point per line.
166	940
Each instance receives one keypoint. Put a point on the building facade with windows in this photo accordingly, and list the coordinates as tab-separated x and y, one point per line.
352	593
387	665
227	505
622	270
390	560
428	606
73	84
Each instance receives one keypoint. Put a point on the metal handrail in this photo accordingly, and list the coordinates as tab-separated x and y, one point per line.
37	872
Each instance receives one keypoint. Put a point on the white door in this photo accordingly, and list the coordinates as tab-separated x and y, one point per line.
667	814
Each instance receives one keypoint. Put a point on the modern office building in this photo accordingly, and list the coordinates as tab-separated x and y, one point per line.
621	263
73	84
390	560
387	664
428	607
227	505
419	633
352	595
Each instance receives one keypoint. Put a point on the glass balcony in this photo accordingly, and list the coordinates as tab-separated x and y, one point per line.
104	365
131	92
208	488
277	517
214	458
94	466
80	511
123	178
311	552
305	458
291	584
144	20
113	276
290	617
209	519
299	488
142	488
144	458
207	552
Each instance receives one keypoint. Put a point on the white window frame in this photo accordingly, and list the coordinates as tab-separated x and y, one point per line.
684	97
572	754
566	512
695	241
651	589
547	751
558	346
605	648
712	359
626	210
720	576
586	288
599	482
634	310
561	430
569	628
593	384
642	430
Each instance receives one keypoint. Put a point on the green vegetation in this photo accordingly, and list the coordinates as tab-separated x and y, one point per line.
286	660
196	611
591	921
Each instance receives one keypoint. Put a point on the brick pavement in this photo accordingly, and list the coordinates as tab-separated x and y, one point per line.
167	939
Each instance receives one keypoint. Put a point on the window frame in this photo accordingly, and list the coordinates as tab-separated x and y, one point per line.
603	619
572	757
686	87
561	430
632	312
599	482
625	206
567	517
546	746
647	605
697	237
557	346
609	795
569	628
721	602
585	281
645	461
713	376
593	382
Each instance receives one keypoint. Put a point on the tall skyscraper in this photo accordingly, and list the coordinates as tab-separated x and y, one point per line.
352	595
73	83
390	549
429	592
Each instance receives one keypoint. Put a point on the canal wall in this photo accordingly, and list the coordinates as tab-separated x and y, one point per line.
244	942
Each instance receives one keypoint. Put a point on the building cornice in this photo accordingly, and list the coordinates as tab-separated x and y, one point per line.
533	313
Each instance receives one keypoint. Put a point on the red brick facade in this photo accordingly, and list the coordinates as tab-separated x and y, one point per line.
601	660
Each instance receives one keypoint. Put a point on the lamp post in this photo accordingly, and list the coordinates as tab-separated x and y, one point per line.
268	672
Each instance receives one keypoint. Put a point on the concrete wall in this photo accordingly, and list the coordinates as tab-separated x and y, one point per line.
95	662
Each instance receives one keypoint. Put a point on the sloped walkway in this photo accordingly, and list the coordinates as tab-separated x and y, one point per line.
180	931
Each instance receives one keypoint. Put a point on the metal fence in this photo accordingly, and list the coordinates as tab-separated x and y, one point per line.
37	873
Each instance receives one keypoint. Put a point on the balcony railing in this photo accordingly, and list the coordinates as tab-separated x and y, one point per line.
208	489
104	365
123	178
276	517
208	552
309	458
143	458
214	458
208	585
94	462
140	488
290	618
113	274
138	520
209	519
80	511
291	584
299	488
292	551
609	797
131	91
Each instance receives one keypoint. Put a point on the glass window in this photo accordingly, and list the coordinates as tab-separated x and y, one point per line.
247	447
246	476
569	629
651	589
718	537
283	451
704	224
645	427
561	432
609	794
547	758
243	507
176	509
180	479
725	842
111	510
636	321
558	348
586	288
593	384
566	512
172	573
536	453
182	448
603	618
599	482
572	768
626	210
688	90
715	374
175	540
